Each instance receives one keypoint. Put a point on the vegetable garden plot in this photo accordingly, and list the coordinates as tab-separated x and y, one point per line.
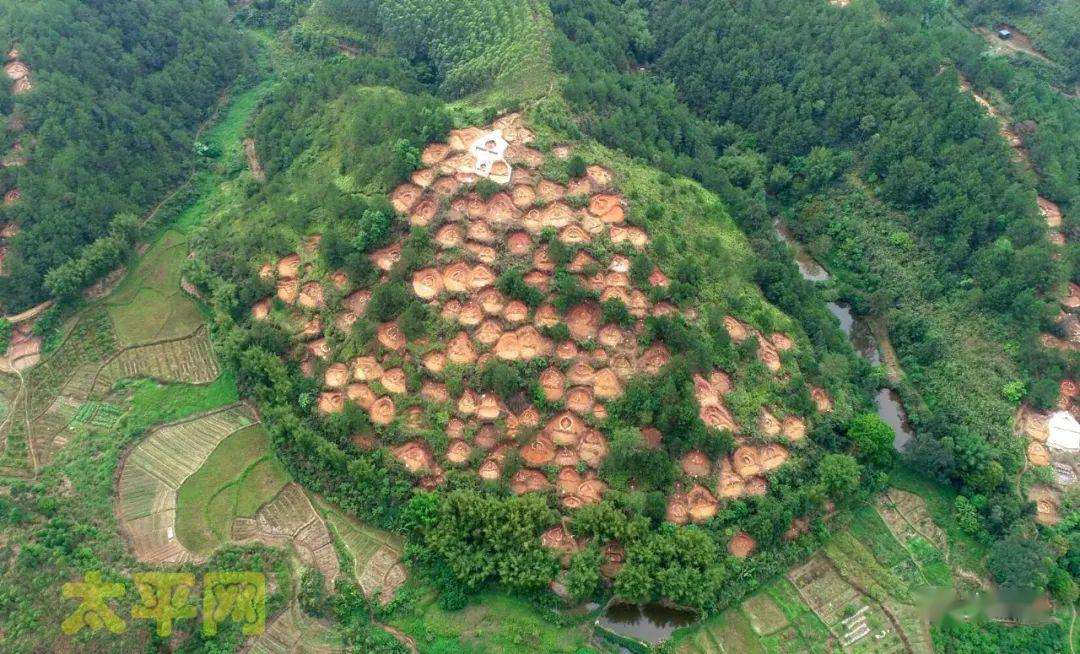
188	360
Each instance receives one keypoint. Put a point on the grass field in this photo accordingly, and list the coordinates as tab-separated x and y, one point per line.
149	304
238	477
493	624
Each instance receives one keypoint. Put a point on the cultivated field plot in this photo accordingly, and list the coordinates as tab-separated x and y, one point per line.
856	620
294	632
376	555
906	516
238	478
155	469
189	359
291	519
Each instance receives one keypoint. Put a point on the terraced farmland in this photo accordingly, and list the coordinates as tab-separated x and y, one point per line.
155	469
294	631
189	359
376	555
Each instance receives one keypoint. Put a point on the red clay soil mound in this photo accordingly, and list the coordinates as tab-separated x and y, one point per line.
652	436
312	296
757	486
579	399
491	301
742	545
386	257
539	453
449	236
565	429
730	484
658	278
559	539
735	329
470	314
590	491
579	187
489	332
405	196
489	407
490	470
487	437
466	405
390	336
523	196
17	70
424	177
768	423
557	215
678	510
480	277
515	311
798	527
794	428
367	369
427	283
455	277
574	235
701	504
623	366
460	139
480	231
550	191
1072	299
460	350
696	464
528	481
288	289
583	321
261	309
593	448
541	260
546	316
383	411
599	176
553	383
529	157
446	186
393	380
288	266
582	261
331	402
424	211
538	279
434	361
434	391
781	342
768	354
357	301
1037	454
340	280
434	154
336	376
319	348
581	373
458	452
746	462
1047	504
772	456
415	456
361	395
821	399
608	208
611	336
606	384
655	358
500	209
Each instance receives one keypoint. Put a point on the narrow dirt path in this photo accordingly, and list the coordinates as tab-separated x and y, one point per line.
402	637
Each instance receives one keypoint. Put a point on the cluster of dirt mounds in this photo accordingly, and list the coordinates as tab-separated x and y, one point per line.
19	72
477	240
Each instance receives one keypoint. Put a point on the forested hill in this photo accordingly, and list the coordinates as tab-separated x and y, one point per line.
119	89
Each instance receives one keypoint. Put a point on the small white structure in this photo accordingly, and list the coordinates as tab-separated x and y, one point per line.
489	151
1064	432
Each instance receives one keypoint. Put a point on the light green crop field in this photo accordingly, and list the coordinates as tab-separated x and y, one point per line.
239	477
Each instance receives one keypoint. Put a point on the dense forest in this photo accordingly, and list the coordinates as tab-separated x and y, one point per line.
119	89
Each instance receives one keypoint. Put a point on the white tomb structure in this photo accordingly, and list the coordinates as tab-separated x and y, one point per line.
1064	432
490	153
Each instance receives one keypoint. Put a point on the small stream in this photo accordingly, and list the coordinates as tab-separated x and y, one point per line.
858	332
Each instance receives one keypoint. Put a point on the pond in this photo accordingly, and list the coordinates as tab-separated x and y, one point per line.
858	332
809	269
651	623
892	412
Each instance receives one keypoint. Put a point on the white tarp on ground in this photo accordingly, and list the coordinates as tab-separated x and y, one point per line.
1064	432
